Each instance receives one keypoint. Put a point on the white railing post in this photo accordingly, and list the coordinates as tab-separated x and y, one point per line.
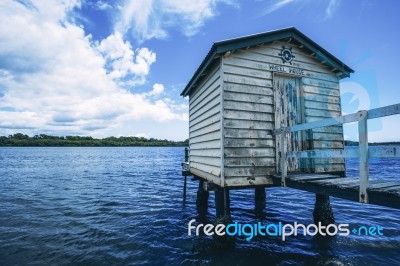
363	148
283	159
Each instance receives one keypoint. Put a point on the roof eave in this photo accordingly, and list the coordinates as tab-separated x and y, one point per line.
222	47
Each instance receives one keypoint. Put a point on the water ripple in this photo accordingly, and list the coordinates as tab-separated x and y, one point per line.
102	206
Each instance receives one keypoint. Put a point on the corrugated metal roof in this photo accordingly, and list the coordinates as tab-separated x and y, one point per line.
221	47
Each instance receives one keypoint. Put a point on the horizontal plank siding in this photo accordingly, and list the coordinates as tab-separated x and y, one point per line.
247	124
244	142
205	127
248	97
322	100
249	153
248	89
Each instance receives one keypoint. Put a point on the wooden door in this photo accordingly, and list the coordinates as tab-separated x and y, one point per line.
288	112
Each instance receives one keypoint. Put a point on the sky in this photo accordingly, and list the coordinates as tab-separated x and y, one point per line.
117	68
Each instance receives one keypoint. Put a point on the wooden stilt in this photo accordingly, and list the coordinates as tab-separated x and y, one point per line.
259	198
184	187
223	216
202	199
222	203
323	211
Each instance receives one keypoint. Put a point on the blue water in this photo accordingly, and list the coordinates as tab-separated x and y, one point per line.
102	206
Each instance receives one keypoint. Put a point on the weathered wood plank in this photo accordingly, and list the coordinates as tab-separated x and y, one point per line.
204	138
205	130
198	117
247	171
211	161
328	145
242	181
249	152
248	124
212	144
320	83
322	106
309	177
243	62
211	99
209	81
248	106
328	136
248	115
322	113
258	143
248	89
339	182
205	175
330	99
206	152
329	168
313	89
247	133
244	71
213	170
249	162
203	123
330	129
247	80
244	97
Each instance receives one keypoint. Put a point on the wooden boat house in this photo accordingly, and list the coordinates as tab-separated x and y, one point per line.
248	87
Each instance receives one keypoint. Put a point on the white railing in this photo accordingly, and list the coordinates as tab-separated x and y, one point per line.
363	152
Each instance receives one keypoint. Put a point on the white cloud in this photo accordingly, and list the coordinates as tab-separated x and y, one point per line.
157	89
147	19
124	63
55	79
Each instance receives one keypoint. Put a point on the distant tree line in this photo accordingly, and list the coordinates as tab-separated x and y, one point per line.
42	140
355	143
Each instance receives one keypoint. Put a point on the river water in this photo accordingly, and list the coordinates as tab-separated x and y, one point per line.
103	206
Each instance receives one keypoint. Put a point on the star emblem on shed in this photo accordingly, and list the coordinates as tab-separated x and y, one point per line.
286	55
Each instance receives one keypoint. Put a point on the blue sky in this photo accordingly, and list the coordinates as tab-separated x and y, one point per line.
116	68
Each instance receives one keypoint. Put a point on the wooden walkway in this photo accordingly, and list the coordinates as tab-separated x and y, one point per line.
380	192
383	192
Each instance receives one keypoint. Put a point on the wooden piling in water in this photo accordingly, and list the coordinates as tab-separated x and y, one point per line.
202	199
222	203
322	210
186	160
259	198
